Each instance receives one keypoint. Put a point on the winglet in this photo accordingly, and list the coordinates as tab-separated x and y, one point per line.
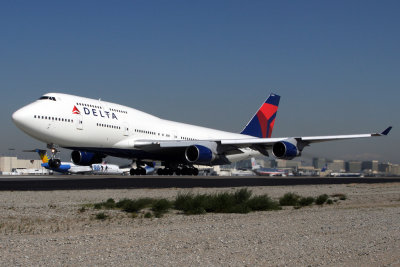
386	132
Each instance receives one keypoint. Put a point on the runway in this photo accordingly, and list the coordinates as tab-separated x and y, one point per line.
82	182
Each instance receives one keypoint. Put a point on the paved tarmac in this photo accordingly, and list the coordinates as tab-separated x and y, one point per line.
85	182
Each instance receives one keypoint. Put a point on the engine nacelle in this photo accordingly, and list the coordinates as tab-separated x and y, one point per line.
286	150
199	154
85	158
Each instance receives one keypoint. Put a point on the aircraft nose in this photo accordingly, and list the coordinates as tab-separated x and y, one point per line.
20	116
17	116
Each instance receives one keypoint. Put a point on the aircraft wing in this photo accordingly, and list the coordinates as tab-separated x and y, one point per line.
233	146
307	140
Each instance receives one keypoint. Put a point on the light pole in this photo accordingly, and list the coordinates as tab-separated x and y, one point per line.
10	152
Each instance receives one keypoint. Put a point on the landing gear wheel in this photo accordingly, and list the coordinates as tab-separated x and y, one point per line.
168	171
185	171
54	163
132	171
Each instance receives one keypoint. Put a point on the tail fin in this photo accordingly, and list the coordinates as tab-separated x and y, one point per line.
254	165
43	155
324	168
262	124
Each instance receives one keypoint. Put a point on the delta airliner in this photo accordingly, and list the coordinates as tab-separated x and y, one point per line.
94	129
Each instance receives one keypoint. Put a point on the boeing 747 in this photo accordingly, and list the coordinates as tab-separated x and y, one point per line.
94	129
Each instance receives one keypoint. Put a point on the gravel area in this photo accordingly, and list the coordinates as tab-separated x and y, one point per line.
47	228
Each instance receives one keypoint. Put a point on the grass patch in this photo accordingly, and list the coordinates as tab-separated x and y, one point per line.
191	204
161	206
148	215
306	201
240	201
321	199
263	203
82	209
289	199
108	204
101	216
97	206
129	205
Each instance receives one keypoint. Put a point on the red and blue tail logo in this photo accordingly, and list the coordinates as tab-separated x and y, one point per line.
262	124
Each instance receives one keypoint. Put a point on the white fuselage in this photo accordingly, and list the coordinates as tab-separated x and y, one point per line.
76	122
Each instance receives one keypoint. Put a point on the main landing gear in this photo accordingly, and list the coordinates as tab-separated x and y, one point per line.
138	171
54	162
170	169
179	171
140	168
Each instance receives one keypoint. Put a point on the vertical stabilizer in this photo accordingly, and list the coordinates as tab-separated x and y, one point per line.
262	124
254	165
43	155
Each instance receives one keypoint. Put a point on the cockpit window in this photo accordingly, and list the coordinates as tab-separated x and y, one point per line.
47	98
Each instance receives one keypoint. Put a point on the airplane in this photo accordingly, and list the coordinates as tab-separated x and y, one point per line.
71	168
94	129
345	174
266	171
106	168
241	172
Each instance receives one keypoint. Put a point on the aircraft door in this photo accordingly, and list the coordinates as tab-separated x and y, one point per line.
175	135
79	122
125	126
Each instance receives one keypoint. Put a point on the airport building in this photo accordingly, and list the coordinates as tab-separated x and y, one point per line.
337	165
395	169
354	166
288	164
269	163
371	167
319	163
12	164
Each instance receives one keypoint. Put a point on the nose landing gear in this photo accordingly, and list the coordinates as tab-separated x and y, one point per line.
54	162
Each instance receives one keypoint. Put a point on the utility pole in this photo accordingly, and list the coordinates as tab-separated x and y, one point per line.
10	156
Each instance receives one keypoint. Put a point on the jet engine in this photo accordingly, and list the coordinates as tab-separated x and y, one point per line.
286	149
86	158
199	154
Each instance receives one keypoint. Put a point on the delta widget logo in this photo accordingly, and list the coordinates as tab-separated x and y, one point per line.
76	111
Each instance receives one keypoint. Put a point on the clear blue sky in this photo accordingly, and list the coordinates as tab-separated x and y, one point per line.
336	64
